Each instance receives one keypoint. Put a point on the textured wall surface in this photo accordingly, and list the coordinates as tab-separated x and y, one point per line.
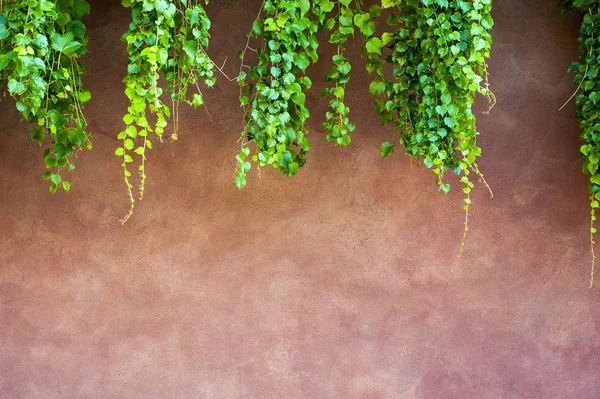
335	284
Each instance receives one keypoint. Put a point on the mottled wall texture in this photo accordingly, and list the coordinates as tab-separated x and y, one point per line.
333	284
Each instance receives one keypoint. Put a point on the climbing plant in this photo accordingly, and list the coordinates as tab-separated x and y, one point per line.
428	66
41	43
166	38
436	51
587	98
337	124
273	90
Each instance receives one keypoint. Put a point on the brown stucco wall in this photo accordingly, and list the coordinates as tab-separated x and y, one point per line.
335	284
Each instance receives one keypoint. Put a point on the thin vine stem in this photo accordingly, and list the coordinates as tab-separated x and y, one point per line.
592	242
465	231
247	46
584	74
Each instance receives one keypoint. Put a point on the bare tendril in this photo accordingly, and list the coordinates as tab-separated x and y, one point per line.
592	241
465	231
476	170
467	187
488	92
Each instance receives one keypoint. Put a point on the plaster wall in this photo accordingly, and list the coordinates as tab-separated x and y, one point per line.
335	284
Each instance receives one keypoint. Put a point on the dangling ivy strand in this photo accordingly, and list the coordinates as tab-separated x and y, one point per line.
165	38
273	90
437	51
41	43
438	54
587	98
338	125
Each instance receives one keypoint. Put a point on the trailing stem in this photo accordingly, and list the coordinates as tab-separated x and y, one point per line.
587	99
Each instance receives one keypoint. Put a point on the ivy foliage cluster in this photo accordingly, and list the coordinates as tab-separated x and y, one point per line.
341	25
437	50
41	42
274	101
273	92
166	38
587	98
427	67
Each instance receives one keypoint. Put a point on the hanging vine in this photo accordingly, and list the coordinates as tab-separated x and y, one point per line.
587	97
437	52
337	124
273	91
41	43
166	38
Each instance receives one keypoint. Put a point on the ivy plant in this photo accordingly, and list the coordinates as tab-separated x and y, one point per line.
273	92
436	51
337	124
587	98
41	44
166	38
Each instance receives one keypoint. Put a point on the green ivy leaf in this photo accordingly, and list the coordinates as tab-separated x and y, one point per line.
4	33
386	149
304	6
197	100
84	96
80	9
65	44
15	87
373	46
302	61
364	24
377	88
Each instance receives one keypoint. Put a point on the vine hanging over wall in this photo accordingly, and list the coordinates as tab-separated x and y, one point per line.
427	70
165	38
587	98
437	51
41	43
274	96
338	125
273	92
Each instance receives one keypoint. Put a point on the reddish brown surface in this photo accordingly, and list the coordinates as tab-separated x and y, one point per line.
335	284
